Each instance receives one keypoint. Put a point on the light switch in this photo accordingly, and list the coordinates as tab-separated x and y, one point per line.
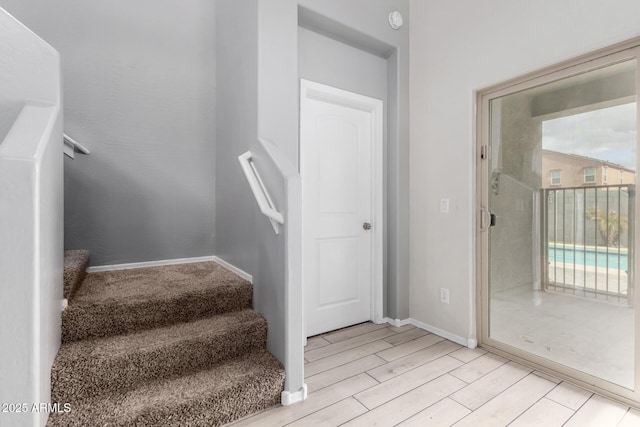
444	205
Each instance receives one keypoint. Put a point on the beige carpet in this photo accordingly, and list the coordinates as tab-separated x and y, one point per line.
75	270
118	302
163	346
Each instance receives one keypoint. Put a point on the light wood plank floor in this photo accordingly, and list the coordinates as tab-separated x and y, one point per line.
380	375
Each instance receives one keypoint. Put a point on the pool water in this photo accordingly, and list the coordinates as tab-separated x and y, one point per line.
589	257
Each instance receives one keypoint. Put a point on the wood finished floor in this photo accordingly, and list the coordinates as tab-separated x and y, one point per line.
380	375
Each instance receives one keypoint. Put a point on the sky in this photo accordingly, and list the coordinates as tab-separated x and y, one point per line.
606	134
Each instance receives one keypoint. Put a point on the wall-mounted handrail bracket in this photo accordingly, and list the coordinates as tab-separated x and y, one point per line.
71	146
260	192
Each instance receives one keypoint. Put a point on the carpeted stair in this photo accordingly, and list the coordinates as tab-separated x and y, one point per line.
75	270
163	346
123	301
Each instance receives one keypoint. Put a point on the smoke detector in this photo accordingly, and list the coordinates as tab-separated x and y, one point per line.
395	20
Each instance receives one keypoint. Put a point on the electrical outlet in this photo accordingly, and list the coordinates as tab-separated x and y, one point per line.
444	205
444	295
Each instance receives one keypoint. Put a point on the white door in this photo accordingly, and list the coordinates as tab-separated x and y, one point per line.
341	158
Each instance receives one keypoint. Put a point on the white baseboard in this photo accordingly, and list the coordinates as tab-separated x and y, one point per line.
145	264
246	276
397	322
470	343
289	398
159	263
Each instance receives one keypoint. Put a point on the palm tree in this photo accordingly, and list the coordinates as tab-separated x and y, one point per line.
610	225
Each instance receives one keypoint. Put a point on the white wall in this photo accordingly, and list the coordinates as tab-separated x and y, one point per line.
31	221
458	48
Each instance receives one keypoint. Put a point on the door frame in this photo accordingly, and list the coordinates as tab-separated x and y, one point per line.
310	90
627	50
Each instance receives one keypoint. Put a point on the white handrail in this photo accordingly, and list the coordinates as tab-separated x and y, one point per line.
260	192
71	146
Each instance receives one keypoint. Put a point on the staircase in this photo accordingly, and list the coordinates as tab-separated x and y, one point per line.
161	346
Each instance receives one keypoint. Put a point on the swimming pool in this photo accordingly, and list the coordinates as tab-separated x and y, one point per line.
589	257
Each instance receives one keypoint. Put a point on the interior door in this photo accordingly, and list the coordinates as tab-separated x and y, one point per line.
338	131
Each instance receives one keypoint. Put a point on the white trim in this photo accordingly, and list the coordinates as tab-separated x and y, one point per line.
377	294
397	322
100	268
467	342
113	267
246	276
318	91
290	397
68	150
71	146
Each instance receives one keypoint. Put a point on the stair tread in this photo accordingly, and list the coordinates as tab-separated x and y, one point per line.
125	301
153	283
205	398
92	367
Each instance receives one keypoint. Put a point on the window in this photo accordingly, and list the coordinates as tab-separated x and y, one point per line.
589	175
555	177
604	174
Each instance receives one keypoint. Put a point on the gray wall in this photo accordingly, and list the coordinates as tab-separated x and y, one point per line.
364	25
9	111
325	60
277	76
278	288
139	92
258	97
237	128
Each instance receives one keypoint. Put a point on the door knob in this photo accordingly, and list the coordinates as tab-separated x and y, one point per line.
366	226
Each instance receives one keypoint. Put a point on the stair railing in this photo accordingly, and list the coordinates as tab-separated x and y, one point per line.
260	192
71	146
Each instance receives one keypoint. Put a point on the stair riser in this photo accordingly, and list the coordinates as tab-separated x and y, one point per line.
109	319
72	280
259	392
80	379
75	270
227	409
